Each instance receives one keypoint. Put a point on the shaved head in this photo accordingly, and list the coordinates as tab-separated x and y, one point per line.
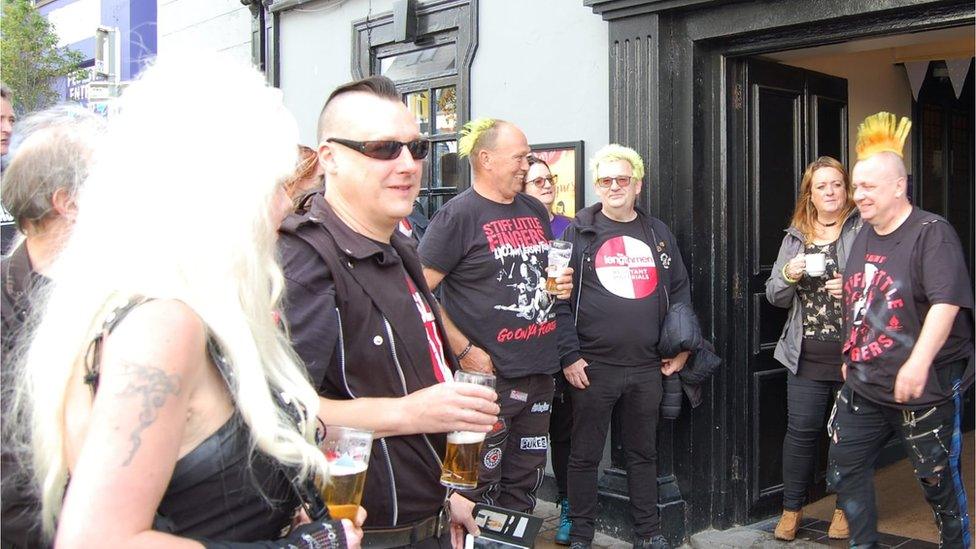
376	86
342	111
881	190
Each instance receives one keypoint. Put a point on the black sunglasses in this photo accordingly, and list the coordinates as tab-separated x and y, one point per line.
386	150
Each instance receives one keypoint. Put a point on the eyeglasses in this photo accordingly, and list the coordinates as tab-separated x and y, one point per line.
386	150
541	181
607	182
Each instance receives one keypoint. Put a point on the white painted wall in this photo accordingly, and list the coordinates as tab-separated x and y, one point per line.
222	25
545	69
543	65
316	56
874	83
76	21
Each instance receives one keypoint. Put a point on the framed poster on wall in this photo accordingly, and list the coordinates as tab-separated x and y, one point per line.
566	161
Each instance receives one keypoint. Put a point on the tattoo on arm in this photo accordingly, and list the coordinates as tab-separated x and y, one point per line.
153	386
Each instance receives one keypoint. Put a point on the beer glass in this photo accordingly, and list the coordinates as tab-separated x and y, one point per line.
347	451
460	467
560	252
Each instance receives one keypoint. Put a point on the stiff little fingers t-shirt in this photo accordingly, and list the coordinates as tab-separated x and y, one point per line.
890	284
494	257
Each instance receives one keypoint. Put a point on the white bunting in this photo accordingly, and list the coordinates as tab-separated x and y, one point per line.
958	69
916	75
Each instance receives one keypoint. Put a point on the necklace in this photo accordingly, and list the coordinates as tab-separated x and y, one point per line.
831	224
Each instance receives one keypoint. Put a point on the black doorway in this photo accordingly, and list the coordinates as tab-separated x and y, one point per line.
788	117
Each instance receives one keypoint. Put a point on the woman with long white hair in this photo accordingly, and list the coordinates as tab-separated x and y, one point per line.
160	401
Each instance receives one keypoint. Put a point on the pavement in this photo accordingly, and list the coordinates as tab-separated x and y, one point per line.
550	515
745	537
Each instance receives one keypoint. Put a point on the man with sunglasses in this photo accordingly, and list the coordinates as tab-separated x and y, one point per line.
369	331
487	249
628	270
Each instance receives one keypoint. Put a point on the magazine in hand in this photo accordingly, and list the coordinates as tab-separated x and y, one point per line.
503	528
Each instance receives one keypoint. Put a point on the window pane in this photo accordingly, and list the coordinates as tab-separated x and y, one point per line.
419	64
446	110
444	166
419	105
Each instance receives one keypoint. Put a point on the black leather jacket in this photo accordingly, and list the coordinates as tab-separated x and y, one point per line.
356	343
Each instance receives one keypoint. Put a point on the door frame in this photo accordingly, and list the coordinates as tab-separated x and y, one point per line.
727	60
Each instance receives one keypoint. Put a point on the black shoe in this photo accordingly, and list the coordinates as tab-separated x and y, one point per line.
656	542
579	545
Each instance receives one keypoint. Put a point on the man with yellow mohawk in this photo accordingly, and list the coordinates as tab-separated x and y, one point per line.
488	250
909	350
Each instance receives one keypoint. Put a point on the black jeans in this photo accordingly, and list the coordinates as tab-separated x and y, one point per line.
932	440
513	457
807	402
560	430
638	389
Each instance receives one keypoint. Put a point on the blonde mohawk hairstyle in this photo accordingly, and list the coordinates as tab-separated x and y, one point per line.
879	133
471	133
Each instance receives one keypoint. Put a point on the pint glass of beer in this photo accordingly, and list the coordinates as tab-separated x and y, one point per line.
560	252
460	468
347	451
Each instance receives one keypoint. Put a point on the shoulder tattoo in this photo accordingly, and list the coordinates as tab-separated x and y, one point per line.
153	386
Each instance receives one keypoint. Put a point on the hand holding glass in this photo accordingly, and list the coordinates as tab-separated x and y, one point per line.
560	253
460	468
347	451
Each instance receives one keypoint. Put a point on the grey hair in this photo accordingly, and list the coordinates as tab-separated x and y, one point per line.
4	92
51	150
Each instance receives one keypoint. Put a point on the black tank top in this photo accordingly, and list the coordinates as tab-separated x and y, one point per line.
217	491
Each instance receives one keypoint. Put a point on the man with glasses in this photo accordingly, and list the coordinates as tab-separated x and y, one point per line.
368	329
488	250
628	270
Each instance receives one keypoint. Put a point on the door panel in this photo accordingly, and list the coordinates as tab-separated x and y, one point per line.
794	116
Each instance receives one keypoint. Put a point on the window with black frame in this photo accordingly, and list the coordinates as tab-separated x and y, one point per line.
432	71
427	80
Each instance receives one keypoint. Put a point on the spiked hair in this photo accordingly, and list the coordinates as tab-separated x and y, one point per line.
476	135
879	133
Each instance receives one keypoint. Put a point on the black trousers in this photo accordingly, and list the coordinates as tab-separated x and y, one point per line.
808	402
638	390
932	439
513	457
560	431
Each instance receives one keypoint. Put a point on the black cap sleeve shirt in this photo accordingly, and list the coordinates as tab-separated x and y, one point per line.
618	321
494	257
890	284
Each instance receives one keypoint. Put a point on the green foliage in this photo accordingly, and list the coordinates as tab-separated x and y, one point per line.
30	59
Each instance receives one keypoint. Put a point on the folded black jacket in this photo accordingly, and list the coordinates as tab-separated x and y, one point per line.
682	332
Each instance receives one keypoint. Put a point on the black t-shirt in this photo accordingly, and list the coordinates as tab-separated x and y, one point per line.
425	314
494	257
618	321
890	283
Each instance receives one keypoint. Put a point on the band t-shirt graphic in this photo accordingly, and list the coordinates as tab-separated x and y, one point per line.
619	311
495	257
890	283
442	371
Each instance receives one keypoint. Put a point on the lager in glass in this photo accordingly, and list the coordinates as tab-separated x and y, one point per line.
344	490
460	468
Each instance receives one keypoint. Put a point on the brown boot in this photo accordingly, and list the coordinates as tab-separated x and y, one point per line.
788	524
838	526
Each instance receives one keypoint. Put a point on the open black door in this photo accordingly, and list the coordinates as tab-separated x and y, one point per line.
780	118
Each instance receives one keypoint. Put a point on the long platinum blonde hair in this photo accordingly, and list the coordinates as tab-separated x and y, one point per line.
177	206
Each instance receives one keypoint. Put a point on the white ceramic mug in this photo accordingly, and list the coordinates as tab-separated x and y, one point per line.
816	264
